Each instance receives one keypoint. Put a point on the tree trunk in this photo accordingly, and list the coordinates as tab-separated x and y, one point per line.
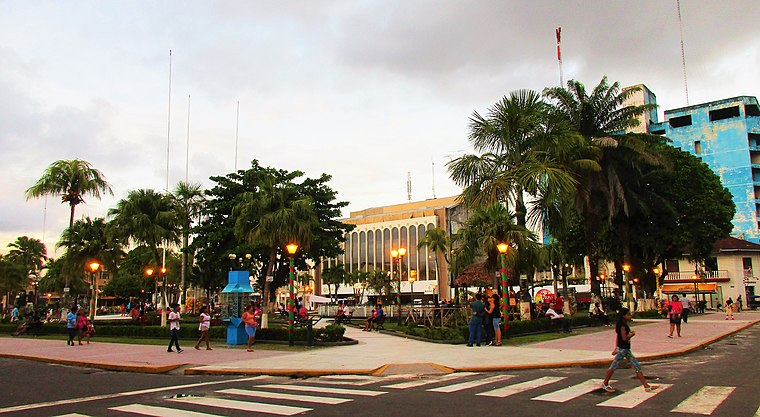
592	226
183	269
269	273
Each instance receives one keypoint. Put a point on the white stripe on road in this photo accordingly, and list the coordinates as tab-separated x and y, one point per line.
471	384
282	410
323	390
569	393
757	413
704	401
149	410
521	387
421	382
633	397
122	394
282	396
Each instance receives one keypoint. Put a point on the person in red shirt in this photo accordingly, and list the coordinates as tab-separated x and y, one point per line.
675	308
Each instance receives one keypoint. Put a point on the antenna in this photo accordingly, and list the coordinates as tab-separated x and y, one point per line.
409	185
683	55
433	163
237	126
558	32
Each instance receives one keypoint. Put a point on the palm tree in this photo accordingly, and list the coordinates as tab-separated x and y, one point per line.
274	216
12	276
148	218
188	202
28	252
334	276
436	240
602	120
72	180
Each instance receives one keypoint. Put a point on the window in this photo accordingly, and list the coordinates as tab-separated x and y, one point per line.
722	114
680	121
658	132
671	265
697	147
751	110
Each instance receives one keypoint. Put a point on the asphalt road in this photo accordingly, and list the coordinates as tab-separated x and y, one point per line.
721	380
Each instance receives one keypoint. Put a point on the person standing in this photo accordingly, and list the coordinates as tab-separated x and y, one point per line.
476	320
174	319
71	324
729	309
203	326
488	318
496	318
623	351
81	326
739	304
686	308
249	318
675	308
14	314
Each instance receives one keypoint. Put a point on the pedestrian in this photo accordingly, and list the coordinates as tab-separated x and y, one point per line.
488	319
81	326
174	319
686	308
89	330
729	309
203	326
739	304
476	320
71	324
675	308
496	318
251	324
14	314
623	351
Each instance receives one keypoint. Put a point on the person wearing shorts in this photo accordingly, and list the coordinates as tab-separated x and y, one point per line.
251	323
623	352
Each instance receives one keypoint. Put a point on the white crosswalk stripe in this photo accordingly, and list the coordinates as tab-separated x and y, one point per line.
323	390
704	401
357	380
574	391
522	387
149	410
633	397
428	381
471	384
757	413
282	396
255	407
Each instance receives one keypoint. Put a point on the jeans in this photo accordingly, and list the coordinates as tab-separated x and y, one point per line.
625	354
174	340
476	326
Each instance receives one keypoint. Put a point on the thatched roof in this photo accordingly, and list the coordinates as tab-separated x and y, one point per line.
475	275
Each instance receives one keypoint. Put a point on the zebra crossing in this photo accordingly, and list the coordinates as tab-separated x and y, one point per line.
300	397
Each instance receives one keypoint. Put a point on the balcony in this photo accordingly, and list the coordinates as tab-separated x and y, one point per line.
709	276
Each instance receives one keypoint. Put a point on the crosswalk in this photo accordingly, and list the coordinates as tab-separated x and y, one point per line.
298	397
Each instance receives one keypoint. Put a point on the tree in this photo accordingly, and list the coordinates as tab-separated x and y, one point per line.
188	203
382	284
12	276
334	276
30	253
602	119
72	180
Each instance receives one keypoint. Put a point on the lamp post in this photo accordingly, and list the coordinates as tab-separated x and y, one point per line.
626	275
292	248
658	296
604	290
695	277
162	283
398	253
411	283
94	266
503	248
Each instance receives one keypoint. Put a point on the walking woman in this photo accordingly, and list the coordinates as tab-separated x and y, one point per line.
249	318
205	323
676	310
623	351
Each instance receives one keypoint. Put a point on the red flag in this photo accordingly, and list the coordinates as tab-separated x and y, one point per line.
559	53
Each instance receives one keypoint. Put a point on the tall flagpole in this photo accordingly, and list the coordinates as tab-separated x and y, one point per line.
161	274
187	147
558	32
683	55
237	127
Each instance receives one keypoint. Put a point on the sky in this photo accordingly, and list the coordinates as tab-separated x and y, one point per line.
366	91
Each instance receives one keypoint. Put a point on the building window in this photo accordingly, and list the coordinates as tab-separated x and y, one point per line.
751	110
722	114
680	121
697	147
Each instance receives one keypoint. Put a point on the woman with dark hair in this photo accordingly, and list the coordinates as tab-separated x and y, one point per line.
623	351
675	308
71	324
251	320
205	323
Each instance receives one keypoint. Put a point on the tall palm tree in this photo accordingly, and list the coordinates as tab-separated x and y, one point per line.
436	240
189	200
28	252
602	119
12	276
72	180
147	217
274	216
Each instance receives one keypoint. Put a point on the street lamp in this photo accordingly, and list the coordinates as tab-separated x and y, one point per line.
292	248
695	277
398	253
411	283
657	271
503	248
604	290
627	270
94	266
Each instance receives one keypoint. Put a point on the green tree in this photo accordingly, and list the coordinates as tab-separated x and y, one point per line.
30	253
72	180
12	276
382	284
188	203
334	277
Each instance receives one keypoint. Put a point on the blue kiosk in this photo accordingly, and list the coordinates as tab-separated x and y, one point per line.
235	296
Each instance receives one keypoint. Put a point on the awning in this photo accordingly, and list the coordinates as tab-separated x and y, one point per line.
317	299
686	288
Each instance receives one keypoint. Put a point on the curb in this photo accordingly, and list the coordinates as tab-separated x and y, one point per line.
143	369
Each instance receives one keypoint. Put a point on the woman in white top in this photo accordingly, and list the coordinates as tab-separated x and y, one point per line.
205	323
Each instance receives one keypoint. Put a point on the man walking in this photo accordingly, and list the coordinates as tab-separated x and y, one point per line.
174	319
71	325
686	308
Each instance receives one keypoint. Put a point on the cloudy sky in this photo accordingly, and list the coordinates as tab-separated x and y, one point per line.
365	91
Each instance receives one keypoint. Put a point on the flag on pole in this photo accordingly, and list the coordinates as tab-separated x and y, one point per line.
559	52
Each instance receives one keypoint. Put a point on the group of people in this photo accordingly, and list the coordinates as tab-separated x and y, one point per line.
485	315
78	325
377	318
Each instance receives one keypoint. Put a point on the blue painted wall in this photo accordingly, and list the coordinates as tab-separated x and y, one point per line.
729	147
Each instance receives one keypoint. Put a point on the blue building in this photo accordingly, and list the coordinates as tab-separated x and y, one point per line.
725	134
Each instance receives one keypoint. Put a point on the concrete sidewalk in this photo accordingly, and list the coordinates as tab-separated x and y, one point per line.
378	353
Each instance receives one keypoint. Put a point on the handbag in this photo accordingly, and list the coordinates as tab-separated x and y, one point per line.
675	316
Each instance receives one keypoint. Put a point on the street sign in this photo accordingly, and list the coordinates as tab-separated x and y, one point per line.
270	278
66	289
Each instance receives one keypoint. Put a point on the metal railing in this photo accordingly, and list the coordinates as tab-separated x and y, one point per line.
721	275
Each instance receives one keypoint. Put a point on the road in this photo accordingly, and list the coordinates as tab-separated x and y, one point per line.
721	380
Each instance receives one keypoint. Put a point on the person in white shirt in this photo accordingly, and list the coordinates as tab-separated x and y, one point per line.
559	317
174	319
686	308
205	323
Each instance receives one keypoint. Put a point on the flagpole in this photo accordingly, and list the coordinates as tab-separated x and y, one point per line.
237	127
558	32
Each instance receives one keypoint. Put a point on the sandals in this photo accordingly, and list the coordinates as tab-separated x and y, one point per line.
651	388
608	388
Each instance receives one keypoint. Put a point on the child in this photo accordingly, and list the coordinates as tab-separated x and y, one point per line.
89	330
623	351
